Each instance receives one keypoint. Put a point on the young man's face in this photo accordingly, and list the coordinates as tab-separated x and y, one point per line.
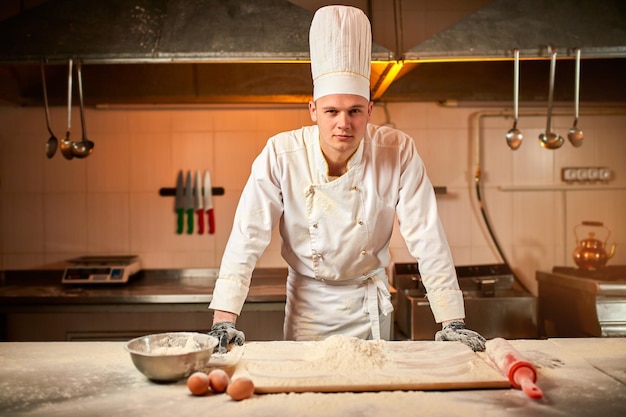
342	120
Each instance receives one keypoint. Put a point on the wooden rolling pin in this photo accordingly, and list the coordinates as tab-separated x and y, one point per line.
521	373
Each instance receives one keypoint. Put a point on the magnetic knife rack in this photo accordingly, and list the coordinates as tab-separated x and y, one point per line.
171	191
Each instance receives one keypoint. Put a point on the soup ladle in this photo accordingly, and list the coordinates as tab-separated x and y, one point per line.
549	139
514	136
84	148
53	142
575	135
66	144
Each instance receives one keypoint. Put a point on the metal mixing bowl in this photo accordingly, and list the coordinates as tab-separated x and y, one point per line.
171	356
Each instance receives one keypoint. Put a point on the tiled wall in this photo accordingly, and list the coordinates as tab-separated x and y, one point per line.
53	210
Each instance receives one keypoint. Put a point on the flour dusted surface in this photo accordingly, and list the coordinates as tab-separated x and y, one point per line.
342	363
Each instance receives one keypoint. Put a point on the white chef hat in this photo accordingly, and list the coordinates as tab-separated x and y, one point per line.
340	41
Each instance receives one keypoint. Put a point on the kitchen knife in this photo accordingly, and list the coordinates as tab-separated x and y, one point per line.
197	203
179	204
208	201
189	203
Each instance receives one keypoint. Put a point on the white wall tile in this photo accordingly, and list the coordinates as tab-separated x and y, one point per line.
108	223
192	121
153	223
409	116
108	167
65	223
237	150
65	176
455	214
193	151
448	158
532	164
236	120
150	121
535	217
151	161
283	120
103	124
22	223
47	207
22	161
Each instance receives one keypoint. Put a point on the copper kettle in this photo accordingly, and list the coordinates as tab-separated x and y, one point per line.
591	253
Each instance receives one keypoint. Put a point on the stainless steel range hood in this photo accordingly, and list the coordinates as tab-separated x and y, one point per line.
254	51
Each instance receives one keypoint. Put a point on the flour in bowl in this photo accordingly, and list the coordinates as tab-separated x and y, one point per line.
176	345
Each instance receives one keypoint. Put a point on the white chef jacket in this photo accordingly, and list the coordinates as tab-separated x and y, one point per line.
337	230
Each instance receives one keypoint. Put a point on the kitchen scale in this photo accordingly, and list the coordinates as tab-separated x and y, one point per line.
101	269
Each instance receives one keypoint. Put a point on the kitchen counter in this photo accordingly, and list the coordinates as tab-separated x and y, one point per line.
579	377
36	307
147	286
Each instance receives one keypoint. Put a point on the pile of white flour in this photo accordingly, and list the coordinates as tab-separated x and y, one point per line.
347	363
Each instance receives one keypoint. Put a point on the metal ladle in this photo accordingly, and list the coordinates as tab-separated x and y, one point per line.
514	136
548	139
84	148
575	135
53	142
66	144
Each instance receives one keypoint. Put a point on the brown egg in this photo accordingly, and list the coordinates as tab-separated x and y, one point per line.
198	383
240	389
218	380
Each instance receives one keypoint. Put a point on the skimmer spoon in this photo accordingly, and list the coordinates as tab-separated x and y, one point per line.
575	135
514	136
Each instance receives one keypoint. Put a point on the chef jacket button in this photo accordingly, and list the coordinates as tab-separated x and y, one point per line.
315	225
363	252
360	222
355	188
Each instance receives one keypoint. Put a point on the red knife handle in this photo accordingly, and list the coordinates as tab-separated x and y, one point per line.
211	216
180	220
200	214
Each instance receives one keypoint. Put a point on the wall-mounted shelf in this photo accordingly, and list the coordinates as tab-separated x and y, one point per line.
564	187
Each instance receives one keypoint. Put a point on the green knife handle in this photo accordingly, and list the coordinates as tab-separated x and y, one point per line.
180	220
190	221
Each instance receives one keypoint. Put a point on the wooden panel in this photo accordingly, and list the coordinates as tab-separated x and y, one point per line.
344	364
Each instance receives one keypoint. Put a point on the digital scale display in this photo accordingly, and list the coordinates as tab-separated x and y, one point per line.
101	269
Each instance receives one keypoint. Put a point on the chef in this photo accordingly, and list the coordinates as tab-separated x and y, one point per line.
334	190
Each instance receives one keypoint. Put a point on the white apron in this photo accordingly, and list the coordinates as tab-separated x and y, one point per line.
348	295
359	307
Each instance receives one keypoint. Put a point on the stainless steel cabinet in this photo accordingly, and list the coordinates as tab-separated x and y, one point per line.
259	321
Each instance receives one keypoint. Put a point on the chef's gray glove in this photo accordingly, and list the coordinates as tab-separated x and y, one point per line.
456	331
226	334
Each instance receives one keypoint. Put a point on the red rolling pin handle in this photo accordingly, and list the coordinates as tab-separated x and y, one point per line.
521	373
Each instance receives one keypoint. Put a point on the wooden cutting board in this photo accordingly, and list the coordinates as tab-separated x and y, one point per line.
344	364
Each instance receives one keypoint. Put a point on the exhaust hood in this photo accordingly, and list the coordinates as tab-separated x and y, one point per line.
256	51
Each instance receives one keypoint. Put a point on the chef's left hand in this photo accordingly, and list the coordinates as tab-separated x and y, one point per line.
456	331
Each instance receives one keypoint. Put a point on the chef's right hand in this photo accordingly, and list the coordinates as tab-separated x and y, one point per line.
226	333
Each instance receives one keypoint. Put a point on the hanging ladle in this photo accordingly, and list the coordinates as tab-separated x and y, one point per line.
53	142
84	148
575	135
549	139
66	144
514	136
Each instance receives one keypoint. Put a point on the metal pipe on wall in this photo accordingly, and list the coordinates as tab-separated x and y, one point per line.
475	120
